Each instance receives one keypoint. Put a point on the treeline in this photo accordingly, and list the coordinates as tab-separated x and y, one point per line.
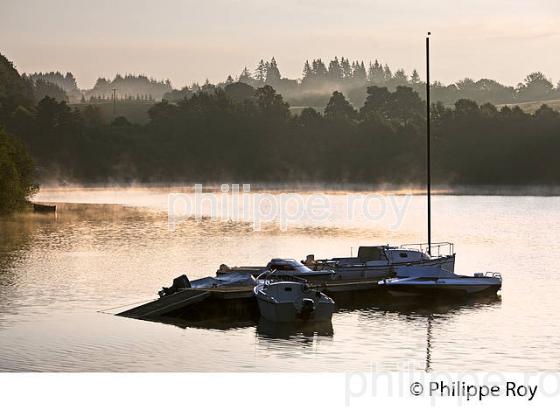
63	87
245	134
128	87
16	166
66	83
320	79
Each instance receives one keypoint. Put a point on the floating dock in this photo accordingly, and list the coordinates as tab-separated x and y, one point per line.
197	303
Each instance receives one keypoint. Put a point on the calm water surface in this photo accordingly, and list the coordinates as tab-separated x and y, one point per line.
108	248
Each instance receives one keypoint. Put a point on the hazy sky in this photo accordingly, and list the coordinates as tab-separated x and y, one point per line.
188	40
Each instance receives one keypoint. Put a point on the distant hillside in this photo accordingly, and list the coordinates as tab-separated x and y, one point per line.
134	111
65	82
129	87
532	106
13	87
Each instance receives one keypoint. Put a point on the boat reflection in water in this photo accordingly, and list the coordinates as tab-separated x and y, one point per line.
304	331
265	329
433	312
281	337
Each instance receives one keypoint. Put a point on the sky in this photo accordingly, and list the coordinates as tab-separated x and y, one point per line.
189	41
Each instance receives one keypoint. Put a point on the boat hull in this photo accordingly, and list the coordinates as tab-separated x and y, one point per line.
442	287
379	272
287	312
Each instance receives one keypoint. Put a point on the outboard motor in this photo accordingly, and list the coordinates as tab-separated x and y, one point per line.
179	283
307	308
223	269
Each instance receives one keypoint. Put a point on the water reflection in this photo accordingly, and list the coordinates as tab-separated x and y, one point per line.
373	307
56	273
218	323
429	344
434	313
306	331
17	234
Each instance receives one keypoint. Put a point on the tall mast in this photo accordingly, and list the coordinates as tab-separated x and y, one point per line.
428	159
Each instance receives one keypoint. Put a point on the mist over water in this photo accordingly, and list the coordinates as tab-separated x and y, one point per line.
111	247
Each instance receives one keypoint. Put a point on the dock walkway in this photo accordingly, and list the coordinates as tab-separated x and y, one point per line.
190	299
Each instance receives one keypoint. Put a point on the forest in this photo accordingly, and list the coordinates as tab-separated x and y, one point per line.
318	81
16	166
240	133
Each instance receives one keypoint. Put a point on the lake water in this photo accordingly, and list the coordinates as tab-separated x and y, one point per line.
112	247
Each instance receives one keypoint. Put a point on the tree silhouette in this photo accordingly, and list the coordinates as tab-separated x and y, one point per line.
346	68
272	73
338	107
376	101
414	77
335	71
239	92
260	72
245	76
535	86
271	104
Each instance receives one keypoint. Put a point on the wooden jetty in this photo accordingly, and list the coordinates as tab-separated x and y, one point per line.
204	302
44	208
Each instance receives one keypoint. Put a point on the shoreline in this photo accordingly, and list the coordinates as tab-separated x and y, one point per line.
388	189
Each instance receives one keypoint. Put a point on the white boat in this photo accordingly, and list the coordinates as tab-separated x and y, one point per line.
434	282
291	301
376	262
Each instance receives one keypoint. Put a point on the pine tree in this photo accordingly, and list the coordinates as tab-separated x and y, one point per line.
272	73
335	71
71	80
307	73
245	76
400	77
376	75
260	72
346	68
415	78
387	75
359	72
319	70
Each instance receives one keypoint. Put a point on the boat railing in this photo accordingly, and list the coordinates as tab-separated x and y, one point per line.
435	250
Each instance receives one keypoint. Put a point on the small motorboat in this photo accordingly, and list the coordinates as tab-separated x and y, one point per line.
292	300
434	282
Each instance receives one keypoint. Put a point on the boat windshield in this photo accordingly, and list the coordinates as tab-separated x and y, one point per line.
371	253
287	265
